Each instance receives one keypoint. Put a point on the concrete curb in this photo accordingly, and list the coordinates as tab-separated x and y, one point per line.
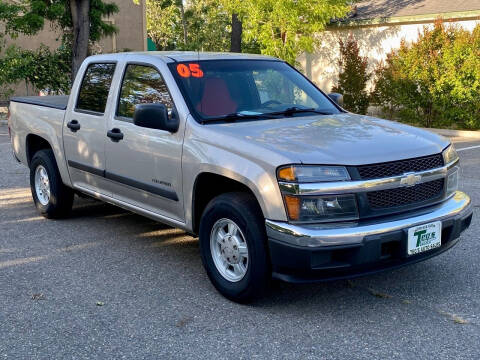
456	133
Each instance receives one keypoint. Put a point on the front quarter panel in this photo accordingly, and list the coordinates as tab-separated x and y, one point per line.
201	156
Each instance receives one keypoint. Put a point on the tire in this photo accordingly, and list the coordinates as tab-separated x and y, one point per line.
242	210
59	202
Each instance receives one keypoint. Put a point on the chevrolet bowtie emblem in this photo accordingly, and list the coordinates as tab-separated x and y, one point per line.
410	180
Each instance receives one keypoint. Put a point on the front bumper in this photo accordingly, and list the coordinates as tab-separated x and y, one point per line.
317	252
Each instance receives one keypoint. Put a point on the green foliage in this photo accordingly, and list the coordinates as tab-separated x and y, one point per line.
282	28
353	77
163	20
28	17
44	68
208	26
41	68
434	81
287	28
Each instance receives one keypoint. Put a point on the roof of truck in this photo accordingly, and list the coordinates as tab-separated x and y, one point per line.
174	56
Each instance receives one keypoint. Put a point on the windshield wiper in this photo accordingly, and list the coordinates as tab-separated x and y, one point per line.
272	115
237	116
296	110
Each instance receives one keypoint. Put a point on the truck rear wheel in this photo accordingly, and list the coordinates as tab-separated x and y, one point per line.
51	197
233	246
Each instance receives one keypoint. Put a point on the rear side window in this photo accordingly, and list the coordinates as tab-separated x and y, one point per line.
95	87
142	85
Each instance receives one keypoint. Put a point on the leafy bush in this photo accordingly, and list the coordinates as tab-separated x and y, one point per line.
41	68
434	82
353	77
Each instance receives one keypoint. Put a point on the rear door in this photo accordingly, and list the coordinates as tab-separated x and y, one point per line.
145	164
85	129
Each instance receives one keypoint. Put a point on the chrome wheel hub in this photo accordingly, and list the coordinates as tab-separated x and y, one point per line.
42	185
229	250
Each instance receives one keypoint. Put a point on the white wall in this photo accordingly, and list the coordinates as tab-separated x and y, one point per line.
374	41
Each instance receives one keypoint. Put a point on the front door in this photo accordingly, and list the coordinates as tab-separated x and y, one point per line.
84	132
143	164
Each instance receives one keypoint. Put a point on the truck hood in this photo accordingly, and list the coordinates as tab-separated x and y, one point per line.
343	139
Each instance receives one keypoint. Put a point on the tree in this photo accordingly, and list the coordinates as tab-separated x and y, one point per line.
236	34
207	23
353	77
286	28
162	19
235	10
184	21
80	11
188	25
80	21
282	28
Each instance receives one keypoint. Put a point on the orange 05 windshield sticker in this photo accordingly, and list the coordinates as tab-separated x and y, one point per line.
187	70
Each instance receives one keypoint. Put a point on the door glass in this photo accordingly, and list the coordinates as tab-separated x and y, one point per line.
95	87
142	85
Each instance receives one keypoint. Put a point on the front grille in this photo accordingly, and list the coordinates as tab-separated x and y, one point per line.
400	167
405	196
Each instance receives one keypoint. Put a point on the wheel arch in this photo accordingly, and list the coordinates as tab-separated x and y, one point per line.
35	143
204	191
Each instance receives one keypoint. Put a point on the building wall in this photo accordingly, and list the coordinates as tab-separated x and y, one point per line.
375	42
131	35
132	28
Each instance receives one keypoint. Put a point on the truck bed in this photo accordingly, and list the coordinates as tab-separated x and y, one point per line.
41	116
57	102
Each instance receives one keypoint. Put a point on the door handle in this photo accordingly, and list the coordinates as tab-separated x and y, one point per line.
115	134
73	125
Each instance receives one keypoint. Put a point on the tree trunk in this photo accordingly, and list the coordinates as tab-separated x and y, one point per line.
80	10
184	22
236	35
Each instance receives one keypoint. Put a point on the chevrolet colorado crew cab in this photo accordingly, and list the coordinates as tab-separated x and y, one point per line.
275	178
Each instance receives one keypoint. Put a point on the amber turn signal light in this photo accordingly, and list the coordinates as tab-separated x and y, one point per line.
287	174
293	206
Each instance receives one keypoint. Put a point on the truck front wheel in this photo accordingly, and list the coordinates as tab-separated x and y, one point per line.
233	246
51	197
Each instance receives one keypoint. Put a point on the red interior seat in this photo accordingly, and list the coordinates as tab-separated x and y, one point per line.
216	99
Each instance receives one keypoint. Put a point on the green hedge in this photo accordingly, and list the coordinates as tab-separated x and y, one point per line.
434	82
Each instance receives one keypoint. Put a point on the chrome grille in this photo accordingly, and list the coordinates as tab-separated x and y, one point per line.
395	168
406	195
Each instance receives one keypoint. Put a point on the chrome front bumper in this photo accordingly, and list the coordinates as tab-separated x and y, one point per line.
458	207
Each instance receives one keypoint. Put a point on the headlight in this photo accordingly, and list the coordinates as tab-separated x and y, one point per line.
310	208
312	173
321	208
450	154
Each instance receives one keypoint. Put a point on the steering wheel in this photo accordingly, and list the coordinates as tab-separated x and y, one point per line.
270	102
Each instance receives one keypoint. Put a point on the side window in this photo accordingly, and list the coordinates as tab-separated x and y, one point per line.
142	85
95	87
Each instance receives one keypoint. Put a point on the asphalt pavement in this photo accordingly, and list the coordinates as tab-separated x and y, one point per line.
108	284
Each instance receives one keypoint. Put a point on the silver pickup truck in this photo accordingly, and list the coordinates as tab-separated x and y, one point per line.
273	175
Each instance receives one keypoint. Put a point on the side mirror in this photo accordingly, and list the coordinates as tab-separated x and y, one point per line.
337	98
155	116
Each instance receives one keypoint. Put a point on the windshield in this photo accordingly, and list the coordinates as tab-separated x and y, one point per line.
248	89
